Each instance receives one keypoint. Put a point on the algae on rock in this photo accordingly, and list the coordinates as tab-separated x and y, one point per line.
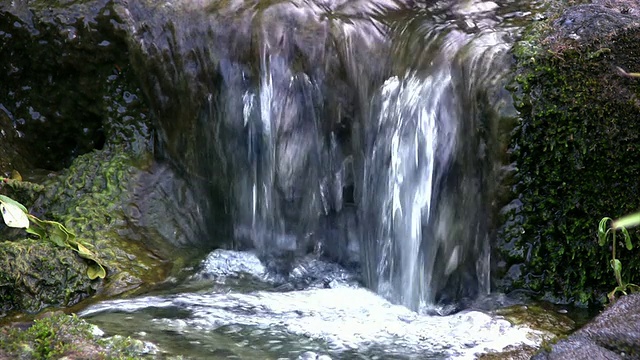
35	274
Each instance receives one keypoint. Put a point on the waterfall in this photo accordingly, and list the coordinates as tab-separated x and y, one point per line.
368	133
428	179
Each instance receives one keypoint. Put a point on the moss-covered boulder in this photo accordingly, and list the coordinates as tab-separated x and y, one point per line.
127	212
60	336
576	149
34	274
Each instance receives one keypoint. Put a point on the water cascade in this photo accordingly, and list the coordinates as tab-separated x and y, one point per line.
329	143
367	132
430	172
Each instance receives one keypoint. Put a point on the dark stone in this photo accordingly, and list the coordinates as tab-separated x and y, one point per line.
62	62
614	334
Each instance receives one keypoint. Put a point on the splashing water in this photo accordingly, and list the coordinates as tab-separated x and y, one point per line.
230	318
428	176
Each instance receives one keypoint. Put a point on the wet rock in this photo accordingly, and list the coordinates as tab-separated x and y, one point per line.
125	208
68	67
214	60
296	273
511	353
540	318
586	22
75	124
232	263
614	334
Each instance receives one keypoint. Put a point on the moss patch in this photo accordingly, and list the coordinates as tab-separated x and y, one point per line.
35	274
577	149
62	336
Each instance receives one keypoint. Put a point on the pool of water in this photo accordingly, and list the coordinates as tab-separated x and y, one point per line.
233	309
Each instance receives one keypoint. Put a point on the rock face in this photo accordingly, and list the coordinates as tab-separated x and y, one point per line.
64	65
74	123
614	334
576	151
202	66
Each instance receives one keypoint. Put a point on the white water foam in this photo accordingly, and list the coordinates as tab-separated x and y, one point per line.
345	317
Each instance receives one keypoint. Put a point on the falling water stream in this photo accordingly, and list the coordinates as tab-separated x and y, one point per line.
353	151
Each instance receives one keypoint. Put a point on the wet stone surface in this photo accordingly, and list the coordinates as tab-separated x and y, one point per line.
614	334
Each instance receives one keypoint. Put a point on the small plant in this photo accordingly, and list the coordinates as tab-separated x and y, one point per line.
15	215
606	232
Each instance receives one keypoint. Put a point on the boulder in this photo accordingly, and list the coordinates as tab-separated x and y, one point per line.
614	334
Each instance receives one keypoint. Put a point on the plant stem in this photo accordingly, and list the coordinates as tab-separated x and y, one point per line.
614	244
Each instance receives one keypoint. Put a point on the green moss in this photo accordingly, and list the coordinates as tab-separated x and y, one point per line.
61	335
35	274
93	199
576	149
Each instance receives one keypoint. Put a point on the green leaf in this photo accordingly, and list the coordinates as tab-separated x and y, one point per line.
58	236
603	231
13	215
61	236
37	231
95	271
54	231
627	238
633	288
616	265
8	200
85	253
628	221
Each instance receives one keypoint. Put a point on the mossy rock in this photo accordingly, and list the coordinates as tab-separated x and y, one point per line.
75	124
125	210
576	149
98	198
35	274
60	336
